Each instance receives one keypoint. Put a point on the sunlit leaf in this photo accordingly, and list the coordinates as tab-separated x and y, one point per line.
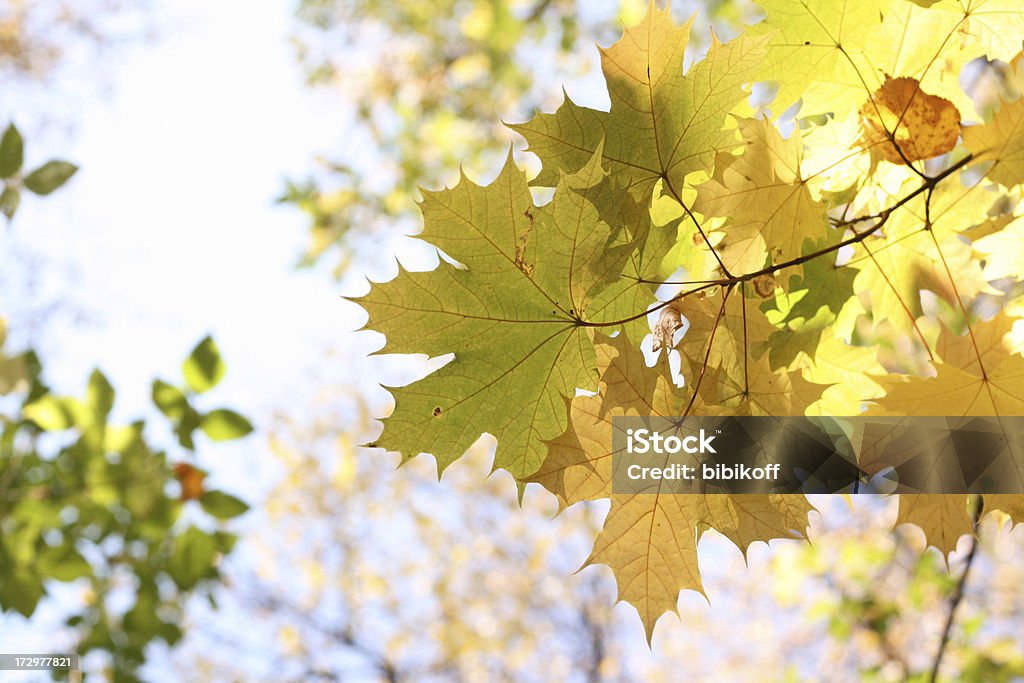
49	177
224	425
222	505
204	369
193	558
11	152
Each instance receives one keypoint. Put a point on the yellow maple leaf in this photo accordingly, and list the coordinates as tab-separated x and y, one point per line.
765	196
650	540
942	518
1001	141
986	380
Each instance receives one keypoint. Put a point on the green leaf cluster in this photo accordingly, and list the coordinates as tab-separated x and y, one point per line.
41	181
202	370
84	498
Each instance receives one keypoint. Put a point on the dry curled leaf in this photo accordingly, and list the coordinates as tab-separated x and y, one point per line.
669	322
902	115
191	480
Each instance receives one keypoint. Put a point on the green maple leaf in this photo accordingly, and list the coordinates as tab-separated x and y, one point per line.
662	123
517	317
809	305
783	267
641	246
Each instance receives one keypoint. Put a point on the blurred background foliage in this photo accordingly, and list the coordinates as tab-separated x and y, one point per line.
347	568
114	525
429	86
86	500
101	504
37	36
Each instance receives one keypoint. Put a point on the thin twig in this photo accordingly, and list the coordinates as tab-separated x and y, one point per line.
730	281
958	595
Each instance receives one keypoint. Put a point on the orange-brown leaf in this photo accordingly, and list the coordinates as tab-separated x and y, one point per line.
903	123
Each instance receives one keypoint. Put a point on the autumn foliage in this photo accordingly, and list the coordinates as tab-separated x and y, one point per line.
863	256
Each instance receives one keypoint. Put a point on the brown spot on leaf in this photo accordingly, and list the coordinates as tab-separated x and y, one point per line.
437	411
521	242
764	285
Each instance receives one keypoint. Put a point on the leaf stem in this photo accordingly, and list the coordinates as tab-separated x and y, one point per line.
707	353
696	223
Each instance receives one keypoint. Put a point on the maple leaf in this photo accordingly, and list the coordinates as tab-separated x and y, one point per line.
849	372
981	377
903	123
513	317
932	43
939	41
1011	504
1000	250
765	197
985	346
650	540
956	392
1001	142
801	268
831	54
757	390
818	50
921	248
808	306
578	466
641	245
942	518
675	122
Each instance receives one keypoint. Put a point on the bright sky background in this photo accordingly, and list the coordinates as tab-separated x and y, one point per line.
171	224
169	231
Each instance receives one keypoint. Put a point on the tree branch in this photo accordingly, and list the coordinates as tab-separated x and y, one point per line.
957	596
930	183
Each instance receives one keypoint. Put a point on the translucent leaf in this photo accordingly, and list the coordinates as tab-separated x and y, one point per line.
224	425
49	177
222	505
204	369
194	554
11	152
